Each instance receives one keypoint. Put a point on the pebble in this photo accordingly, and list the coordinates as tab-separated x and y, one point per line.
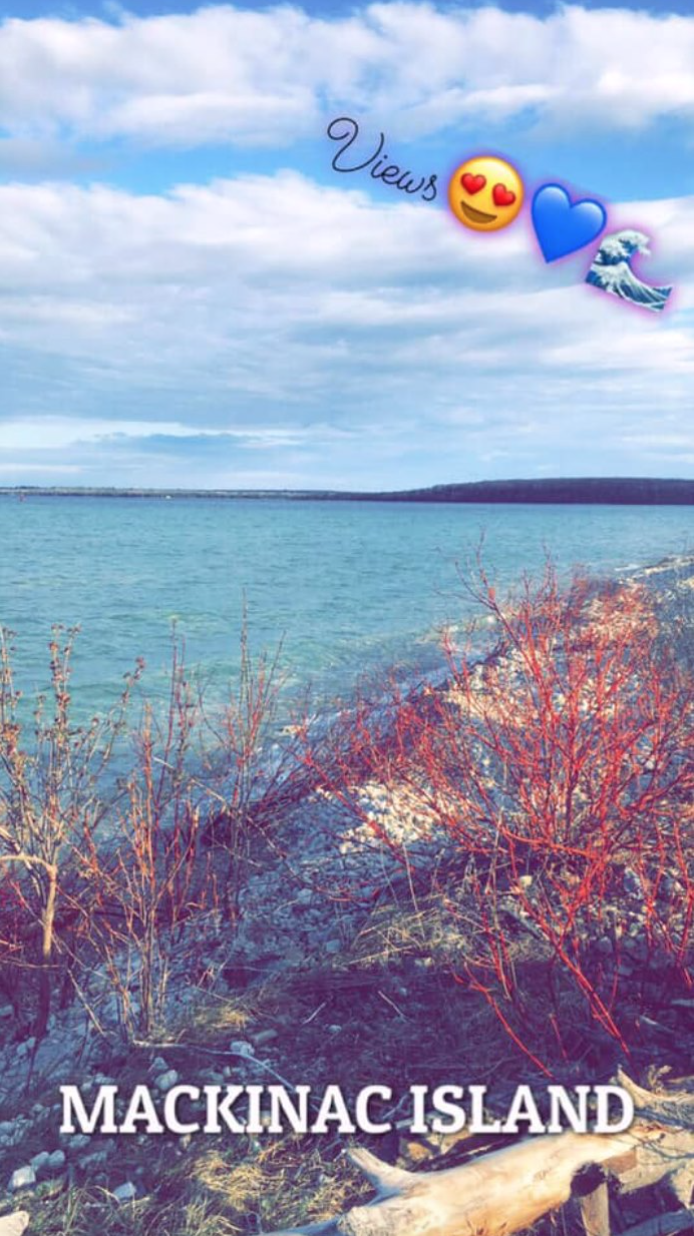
265	1036
22	1178
78	1142
40	1161
166	1080
240	1047
56	1161
125	1192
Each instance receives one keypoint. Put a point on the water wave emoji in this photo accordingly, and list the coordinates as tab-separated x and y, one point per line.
612	271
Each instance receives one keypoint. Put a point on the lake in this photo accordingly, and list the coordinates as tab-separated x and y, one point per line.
348	586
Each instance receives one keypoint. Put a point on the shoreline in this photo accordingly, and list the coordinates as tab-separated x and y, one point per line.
561	491
347	958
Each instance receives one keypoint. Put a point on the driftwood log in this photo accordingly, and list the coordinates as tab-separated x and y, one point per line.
14	1225
507	1190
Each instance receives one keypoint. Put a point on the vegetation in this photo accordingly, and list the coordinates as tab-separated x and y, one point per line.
547	781
533	917
103	829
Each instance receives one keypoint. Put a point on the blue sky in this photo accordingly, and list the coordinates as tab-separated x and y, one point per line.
191	295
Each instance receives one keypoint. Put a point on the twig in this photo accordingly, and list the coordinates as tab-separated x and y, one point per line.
315	1013
393	1005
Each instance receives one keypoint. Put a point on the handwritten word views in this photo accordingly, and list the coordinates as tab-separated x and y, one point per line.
346	130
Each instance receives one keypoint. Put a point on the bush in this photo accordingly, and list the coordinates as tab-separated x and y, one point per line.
52	803
104	827
554	775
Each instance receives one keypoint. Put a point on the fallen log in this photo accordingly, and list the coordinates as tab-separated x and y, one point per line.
664	1225
14	1225
507	1190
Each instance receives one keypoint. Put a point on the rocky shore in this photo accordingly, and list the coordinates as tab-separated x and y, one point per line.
343	938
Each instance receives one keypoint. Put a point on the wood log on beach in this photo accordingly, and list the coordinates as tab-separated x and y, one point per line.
507	1190
14	1225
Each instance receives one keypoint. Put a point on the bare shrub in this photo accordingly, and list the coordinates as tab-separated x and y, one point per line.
553	774
51	800
113	838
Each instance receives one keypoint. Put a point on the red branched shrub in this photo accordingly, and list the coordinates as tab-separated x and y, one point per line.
559	769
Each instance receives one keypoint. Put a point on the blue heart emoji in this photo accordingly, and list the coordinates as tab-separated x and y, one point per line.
563	226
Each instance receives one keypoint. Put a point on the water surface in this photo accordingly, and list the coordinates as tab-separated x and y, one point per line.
348	587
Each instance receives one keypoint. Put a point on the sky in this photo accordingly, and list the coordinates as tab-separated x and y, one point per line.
192	296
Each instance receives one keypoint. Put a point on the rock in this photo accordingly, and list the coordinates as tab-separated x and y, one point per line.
212	1077
166	1080
241	1048
158	1065
125	1192
22	1178
6	1011
264	1036
78	1142
56	1161
40	1161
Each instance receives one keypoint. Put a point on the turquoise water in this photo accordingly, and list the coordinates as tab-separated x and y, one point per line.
349	587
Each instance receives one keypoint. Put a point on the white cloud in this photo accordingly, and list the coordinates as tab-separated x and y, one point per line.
228	74
320	336
24	469
54	433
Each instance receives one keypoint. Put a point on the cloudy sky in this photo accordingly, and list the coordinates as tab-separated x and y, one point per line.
190	295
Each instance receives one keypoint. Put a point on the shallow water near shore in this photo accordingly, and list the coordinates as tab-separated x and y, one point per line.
349	587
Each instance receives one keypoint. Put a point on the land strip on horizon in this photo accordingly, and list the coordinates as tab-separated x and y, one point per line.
613	491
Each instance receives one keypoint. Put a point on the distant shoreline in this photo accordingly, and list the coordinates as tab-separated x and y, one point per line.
599	491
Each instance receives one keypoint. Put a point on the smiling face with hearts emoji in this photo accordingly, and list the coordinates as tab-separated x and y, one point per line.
485	193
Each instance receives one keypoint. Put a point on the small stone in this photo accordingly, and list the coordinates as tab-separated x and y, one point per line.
241	1048
213	1077
6	1011
158	1065
125	1192
56	1161
78	1142
40	1161
333	946
166	1080
265	1036
22	1178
